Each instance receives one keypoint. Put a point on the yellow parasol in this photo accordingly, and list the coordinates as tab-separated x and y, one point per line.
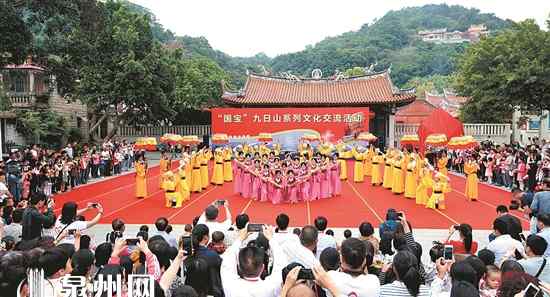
311	137
220	138
190	140
436	140
410	139
265	137
462	142
366	136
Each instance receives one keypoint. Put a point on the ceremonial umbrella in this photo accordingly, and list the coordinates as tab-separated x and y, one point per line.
265	137
190	140
365	136
311	137
171	139
146	143
410	139
220	138
436	140
462	142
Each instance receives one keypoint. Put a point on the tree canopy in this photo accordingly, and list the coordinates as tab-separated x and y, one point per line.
15	37
510	70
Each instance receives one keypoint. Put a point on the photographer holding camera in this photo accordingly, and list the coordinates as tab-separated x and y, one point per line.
465	245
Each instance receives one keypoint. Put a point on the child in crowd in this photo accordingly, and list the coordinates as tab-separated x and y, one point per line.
217	245
490	283
347	233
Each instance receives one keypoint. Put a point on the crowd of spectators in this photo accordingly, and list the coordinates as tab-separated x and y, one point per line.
37	170
509	166
235	257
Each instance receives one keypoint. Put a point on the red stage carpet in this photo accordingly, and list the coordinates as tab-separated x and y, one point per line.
358	202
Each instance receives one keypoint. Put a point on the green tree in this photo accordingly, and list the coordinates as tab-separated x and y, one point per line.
506	71
126	76
355	71
433	84
39	126
198	83
5	103
15	38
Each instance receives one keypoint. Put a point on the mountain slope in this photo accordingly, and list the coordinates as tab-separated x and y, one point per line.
389	41
392	40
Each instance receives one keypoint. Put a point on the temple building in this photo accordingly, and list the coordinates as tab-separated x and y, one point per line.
374	90
415	112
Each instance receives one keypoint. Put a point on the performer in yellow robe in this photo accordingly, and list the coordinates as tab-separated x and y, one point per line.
183	184
437	200
227	165
388	170
141	177
410	180
217	174
172	196
204	158
398	185
376	172
442	163
343	163
188	170
196	180
470	169
164	166
277	149
358	174
368	161
425	182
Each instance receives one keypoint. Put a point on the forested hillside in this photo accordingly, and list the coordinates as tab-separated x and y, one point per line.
390	40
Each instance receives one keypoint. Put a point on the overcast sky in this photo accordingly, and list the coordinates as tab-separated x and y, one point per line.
247	27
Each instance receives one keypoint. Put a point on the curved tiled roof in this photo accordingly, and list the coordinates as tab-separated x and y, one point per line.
363	90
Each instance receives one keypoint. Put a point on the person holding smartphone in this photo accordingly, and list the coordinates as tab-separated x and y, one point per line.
210	215
465	244
67	221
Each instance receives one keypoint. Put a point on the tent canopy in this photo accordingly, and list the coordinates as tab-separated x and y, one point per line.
440	121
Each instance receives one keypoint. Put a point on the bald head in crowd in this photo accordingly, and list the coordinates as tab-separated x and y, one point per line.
300	290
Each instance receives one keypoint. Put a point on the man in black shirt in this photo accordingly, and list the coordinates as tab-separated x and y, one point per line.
513	223
13	170
38	214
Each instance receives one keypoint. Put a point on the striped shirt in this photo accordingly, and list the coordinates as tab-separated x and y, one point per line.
398	289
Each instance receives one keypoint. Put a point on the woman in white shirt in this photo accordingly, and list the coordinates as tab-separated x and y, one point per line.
67	221
409	281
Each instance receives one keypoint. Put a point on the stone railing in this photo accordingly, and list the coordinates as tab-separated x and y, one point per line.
22	99
498	133
157	131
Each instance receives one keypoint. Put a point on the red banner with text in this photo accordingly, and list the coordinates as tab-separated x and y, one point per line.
331	123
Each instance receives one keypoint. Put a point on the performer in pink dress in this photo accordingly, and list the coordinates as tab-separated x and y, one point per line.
305	185
324	177
291	185
335	177
237	173
277	190
266	185
315	181
246	187
256	180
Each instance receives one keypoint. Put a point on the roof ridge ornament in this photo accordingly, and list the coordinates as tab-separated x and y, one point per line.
339	75
370	69
316	73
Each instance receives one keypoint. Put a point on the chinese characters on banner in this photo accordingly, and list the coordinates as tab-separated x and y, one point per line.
252	121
